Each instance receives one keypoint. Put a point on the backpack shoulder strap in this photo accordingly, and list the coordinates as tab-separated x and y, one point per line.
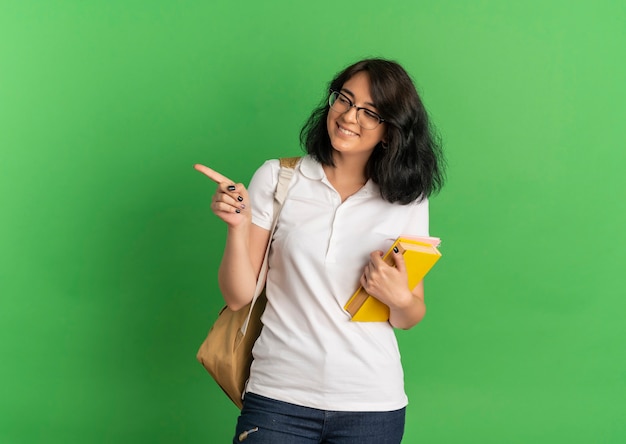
287	165
285	174
289	162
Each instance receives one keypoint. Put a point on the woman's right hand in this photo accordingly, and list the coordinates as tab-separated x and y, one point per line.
230	201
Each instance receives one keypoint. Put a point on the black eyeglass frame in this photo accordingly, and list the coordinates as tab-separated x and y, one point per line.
352	105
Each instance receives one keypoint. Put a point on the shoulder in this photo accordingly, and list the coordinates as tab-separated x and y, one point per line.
268	168
418	221
418	207
266	175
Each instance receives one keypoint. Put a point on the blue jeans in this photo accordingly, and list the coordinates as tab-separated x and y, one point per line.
264	420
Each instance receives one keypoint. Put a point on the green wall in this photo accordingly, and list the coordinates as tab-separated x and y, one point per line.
108	249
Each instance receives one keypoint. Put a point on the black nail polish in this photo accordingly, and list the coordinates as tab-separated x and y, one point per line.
231	187
395	249
239	198
237	210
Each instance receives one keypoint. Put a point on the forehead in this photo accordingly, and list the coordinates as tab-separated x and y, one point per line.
359	87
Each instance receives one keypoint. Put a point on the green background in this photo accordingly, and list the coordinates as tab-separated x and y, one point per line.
108	248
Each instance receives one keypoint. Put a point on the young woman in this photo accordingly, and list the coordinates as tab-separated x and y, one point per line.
371	163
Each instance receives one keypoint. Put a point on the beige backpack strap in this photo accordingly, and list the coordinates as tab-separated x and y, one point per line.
289	162
287	165
284	179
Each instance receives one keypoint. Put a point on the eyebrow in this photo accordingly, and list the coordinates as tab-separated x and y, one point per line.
346	90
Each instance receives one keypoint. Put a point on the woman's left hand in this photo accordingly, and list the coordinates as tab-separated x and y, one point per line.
390	285
386	283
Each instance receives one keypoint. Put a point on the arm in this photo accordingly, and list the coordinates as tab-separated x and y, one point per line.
245	242
412	312
241	264
389	285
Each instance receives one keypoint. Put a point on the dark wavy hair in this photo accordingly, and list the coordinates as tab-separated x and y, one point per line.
410	167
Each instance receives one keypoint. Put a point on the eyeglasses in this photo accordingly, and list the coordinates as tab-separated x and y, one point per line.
366	118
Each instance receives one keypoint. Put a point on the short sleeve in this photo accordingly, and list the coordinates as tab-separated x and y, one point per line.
261	192
418	220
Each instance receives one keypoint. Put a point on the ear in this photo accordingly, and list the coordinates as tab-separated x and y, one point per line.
385	139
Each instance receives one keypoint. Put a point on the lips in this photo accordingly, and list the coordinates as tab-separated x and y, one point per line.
346	131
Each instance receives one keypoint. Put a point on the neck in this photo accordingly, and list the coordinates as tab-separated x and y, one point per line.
348	168
348	174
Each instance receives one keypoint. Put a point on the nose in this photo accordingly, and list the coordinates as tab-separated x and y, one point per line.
350	115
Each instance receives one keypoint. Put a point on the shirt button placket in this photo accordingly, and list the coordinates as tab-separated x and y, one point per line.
330	251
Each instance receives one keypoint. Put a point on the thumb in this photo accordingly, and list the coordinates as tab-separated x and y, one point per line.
399	260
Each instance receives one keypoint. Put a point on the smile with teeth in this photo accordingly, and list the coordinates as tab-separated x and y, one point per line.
347	132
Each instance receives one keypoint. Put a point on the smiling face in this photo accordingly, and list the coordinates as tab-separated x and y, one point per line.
346	135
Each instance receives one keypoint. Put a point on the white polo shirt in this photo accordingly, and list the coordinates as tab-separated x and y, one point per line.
309	352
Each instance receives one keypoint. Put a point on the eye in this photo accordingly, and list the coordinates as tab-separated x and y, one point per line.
371	115
344	100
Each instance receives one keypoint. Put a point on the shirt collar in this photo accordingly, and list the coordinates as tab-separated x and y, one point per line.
312	169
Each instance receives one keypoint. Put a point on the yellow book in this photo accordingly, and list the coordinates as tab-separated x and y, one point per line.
420	254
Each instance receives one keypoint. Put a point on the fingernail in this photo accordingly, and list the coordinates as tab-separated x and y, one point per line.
231	187
243	206
239	198
395	249
237	210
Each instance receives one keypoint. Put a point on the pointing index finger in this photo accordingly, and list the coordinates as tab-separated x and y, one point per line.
212	174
